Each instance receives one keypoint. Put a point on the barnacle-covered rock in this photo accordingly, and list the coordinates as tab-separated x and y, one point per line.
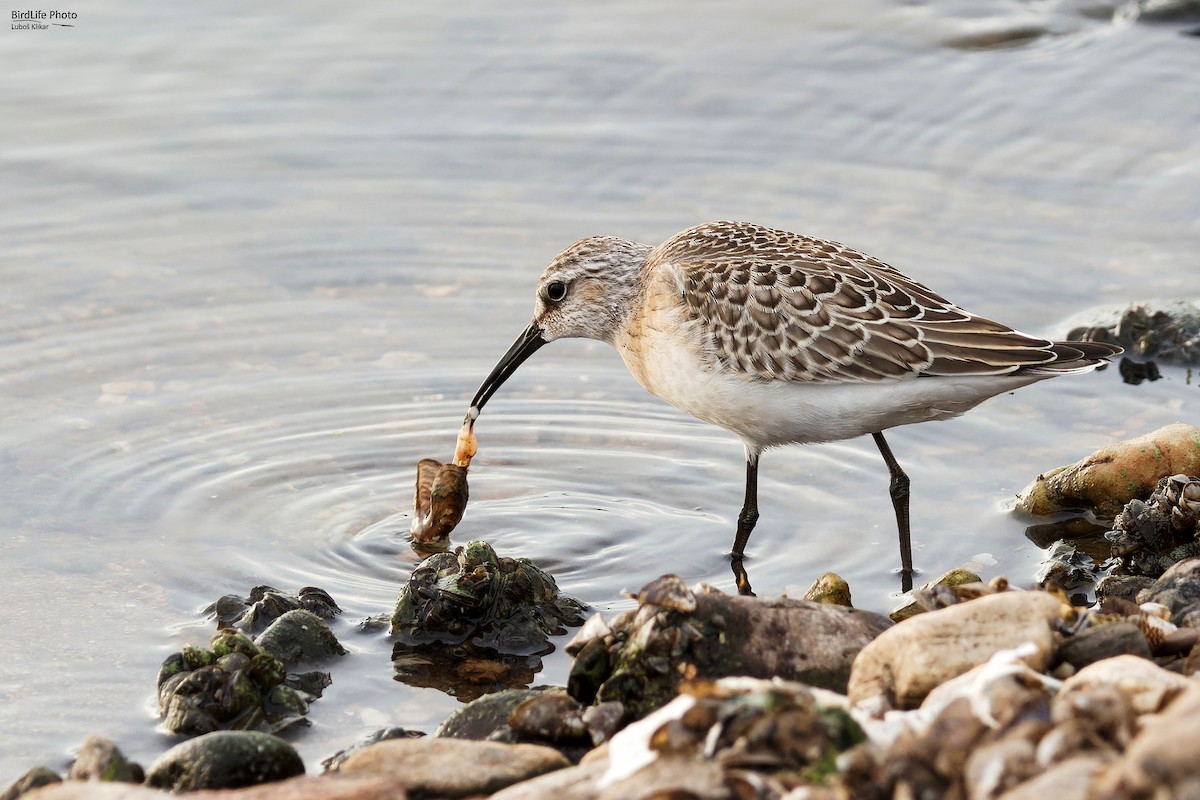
640	657
1105	481
1167	330
736	737
1149	536
266	604
298	637
470	621
953	587
1178	592
242	684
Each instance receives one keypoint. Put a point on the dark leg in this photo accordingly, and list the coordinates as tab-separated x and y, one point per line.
899	492
746	521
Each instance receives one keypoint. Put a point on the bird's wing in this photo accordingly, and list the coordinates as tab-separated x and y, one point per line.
781	306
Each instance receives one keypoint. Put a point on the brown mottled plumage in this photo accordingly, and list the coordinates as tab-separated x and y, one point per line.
784	339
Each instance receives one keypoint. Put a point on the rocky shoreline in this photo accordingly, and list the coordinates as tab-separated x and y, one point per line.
973	690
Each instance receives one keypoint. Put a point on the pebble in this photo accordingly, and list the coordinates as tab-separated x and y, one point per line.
1147	686
453	767
899	668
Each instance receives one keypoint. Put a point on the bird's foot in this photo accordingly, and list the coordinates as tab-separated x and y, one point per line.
740	576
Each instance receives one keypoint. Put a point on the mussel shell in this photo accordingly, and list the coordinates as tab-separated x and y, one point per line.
441	499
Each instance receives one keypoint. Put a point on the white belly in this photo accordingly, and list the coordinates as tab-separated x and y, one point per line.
772	413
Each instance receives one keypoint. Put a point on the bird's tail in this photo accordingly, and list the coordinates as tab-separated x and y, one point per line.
1073	357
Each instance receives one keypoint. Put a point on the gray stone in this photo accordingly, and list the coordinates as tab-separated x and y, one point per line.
33	779
1103	641
100	760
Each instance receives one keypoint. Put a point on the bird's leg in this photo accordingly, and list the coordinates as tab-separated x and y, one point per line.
746	521
899	492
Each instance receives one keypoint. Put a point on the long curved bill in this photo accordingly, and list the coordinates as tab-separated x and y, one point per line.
526	345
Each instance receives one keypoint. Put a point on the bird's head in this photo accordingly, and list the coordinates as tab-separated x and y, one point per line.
585	292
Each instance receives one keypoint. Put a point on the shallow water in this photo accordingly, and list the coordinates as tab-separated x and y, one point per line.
256	262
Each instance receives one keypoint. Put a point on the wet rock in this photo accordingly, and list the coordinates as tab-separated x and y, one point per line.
553	717
100	760
830	588
1147	687
508	604
487	716
933	595
1105	481
639	658
1103	641
1148	537
300	636
224	760
235	685
336	760
1167	330
1066	567
470	622
444	767
905	663
1161	760
1068	780
545	716
265	604
33	779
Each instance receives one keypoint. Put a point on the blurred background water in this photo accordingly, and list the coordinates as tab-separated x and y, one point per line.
255	261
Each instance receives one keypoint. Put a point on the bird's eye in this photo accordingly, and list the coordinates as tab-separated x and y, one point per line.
556	291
